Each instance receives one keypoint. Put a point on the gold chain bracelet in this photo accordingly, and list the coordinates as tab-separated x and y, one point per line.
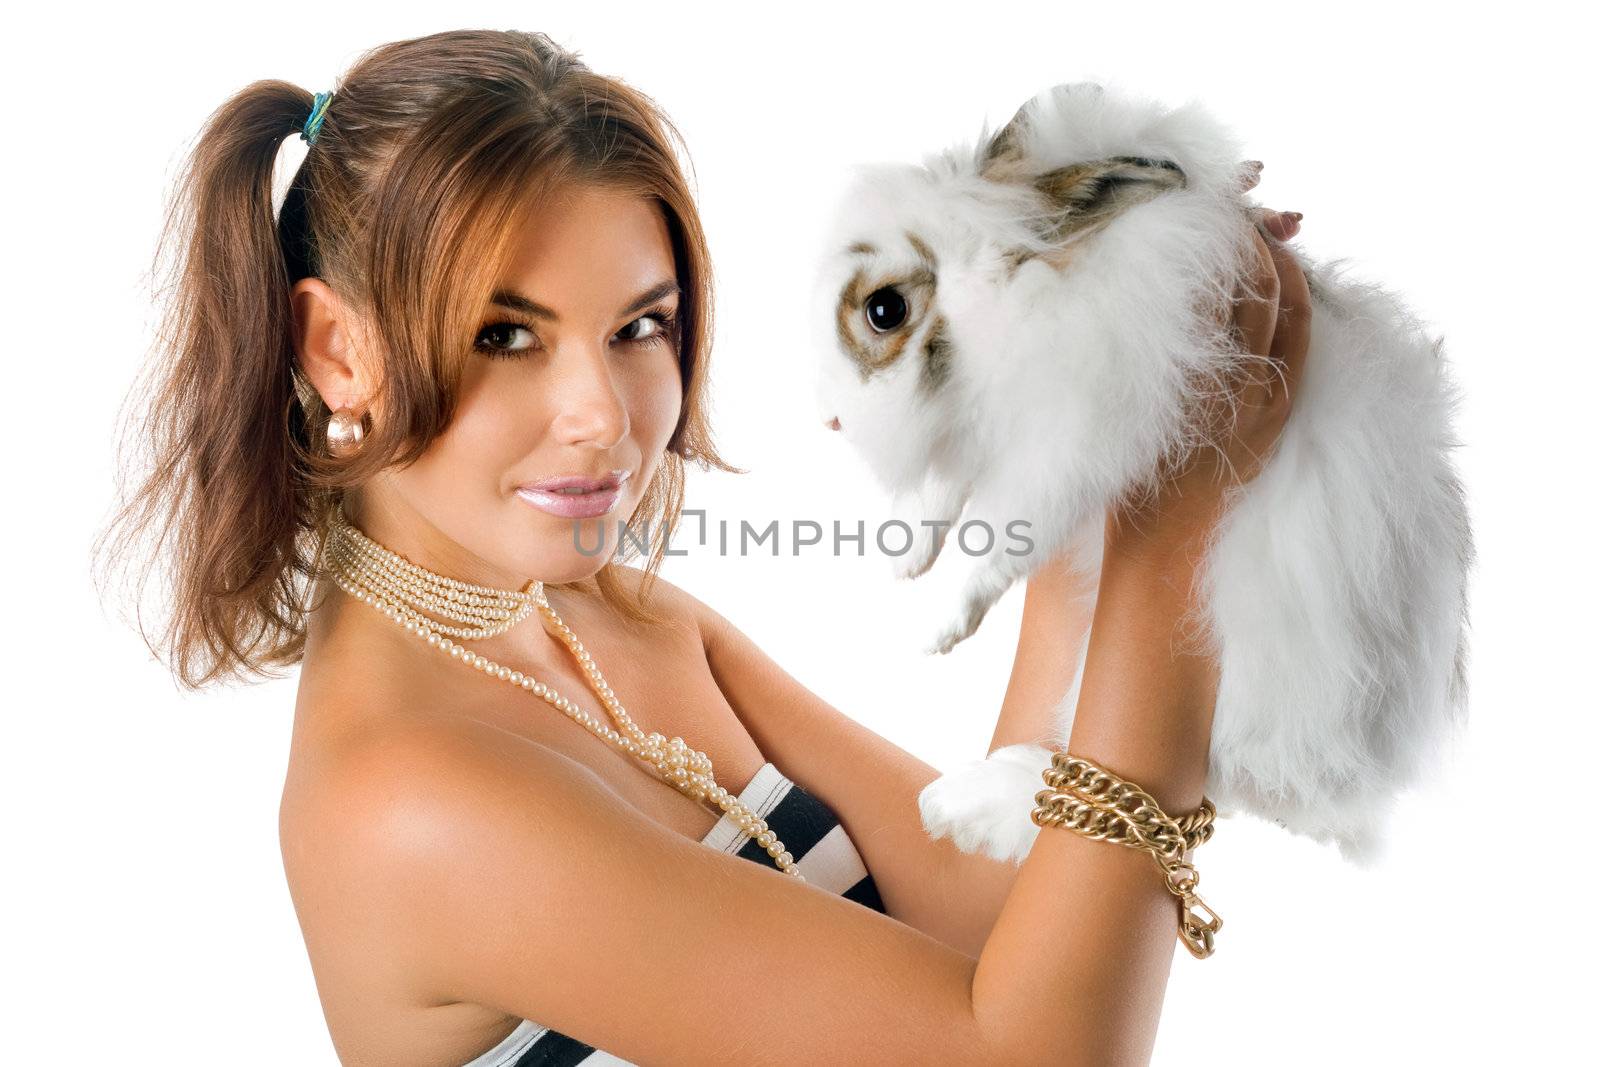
1084	797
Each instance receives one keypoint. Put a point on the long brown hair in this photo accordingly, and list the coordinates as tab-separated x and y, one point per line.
405	205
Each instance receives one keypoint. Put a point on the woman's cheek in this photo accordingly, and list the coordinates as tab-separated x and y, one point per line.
657	399
493	418
480	447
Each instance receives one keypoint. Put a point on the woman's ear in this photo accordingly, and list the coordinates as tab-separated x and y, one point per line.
324	331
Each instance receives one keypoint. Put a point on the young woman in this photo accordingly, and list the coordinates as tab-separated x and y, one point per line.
482	316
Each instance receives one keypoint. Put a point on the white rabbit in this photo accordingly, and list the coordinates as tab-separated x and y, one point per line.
1021	329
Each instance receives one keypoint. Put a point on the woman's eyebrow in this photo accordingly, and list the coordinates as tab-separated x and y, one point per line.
514	300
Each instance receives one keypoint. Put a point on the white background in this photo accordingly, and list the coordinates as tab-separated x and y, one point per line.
1452	156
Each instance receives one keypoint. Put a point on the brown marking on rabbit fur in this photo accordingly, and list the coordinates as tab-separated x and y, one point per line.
1015	258
937	351
937	355
869	350
920	247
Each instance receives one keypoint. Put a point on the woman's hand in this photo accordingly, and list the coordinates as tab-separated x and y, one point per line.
1170	525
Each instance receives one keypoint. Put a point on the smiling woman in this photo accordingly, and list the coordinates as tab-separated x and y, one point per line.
478	324
383	425
564	421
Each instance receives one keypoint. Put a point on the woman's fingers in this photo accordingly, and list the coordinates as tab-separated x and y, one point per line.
1291	339
1255	308
1282	224
1270	320
1249	175
1242	414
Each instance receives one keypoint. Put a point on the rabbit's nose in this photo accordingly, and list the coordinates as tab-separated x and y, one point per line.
833	423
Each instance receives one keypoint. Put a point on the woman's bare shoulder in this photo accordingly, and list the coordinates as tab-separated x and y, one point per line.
354	795
353	785
369	768
356	739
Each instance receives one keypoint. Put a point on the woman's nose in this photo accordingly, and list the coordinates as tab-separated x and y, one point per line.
591	410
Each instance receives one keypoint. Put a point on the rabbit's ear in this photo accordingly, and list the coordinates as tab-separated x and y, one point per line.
1001	157
1005	151
1088	195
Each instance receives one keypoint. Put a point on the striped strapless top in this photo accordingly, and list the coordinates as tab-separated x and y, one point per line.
822	850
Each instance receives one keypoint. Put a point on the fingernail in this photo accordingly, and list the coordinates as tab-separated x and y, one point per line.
1281	224
1294	215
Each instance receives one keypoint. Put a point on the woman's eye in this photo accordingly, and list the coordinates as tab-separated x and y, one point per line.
639	335
502	339
659	325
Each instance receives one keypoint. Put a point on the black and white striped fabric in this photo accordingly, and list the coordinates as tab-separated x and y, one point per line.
822	850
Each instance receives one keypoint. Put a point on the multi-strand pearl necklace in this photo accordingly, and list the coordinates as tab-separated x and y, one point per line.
403	591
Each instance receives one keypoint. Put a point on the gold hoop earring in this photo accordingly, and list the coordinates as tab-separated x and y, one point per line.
345	432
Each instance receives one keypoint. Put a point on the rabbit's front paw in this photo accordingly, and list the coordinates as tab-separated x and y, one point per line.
928	513
953	634
975	604
986	806
916	560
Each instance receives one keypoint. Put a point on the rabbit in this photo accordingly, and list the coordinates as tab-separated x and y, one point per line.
1022	327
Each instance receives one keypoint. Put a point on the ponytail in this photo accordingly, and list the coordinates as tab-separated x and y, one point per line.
224	432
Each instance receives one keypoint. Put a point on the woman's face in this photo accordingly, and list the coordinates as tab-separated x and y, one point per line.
575	377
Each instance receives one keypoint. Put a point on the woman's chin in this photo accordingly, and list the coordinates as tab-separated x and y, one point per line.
571	549
562	568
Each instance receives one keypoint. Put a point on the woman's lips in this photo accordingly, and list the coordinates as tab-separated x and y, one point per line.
572	505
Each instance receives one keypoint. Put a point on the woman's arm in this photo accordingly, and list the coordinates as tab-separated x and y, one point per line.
872	784
1144	712
869	782
1055	619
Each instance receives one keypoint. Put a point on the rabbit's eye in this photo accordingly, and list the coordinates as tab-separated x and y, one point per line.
886	309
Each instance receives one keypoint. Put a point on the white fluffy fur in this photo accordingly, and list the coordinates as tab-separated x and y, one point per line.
1335	587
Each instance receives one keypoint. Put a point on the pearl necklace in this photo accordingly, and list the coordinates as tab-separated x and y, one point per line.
402	590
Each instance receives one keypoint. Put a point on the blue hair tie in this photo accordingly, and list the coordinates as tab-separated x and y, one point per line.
313	123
